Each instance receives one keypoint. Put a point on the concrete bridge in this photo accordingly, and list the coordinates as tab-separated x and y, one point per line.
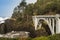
53	22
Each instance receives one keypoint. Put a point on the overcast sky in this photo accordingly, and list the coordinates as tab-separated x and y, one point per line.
7	6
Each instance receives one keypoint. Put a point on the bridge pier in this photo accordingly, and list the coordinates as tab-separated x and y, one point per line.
58	26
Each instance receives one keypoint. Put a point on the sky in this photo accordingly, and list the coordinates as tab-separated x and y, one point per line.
7	6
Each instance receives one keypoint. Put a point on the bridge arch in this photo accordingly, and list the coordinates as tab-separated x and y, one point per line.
52	21
44	24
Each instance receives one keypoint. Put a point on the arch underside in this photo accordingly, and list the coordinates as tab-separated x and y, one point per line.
45	23
49	24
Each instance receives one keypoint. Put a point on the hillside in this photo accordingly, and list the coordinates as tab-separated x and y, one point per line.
21	19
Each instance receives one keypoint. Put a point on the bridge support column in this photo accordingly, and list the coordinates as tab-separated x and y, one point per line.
35	22
57	25
53	25
50	26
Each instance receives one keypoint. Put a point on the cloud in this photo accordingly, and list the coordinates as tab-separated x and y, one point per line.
31	1
2	20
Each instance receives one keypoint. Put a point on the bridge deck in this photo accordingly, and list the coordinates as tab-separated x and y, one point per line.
47	16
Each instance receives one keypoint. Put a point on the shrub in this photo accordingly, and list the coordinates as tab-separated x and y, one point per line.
55	37
51	37
8	39
24	38
41	32
41	38
15	38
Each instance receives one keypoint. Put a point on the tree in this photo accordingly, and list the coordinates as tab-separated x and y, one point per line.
18	11
23	13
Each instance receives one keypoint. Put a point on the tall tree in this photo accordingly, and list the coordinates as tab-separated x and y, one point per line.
19	9
22	7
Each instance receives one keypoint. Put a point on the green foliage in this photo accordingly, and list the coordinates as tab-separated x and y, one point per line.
55	37
25	38
15	38
23	14
41	38
23	3
51	37
8	39
41	32
39	8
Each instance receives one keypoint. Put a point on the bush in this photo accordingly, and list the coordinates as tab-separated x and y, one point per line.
25	38
51	37
55	37
8	39
41	38
15	38
41	32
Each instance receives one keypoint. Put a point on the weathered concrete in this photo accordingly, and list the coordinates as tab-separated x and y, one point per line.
52	21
